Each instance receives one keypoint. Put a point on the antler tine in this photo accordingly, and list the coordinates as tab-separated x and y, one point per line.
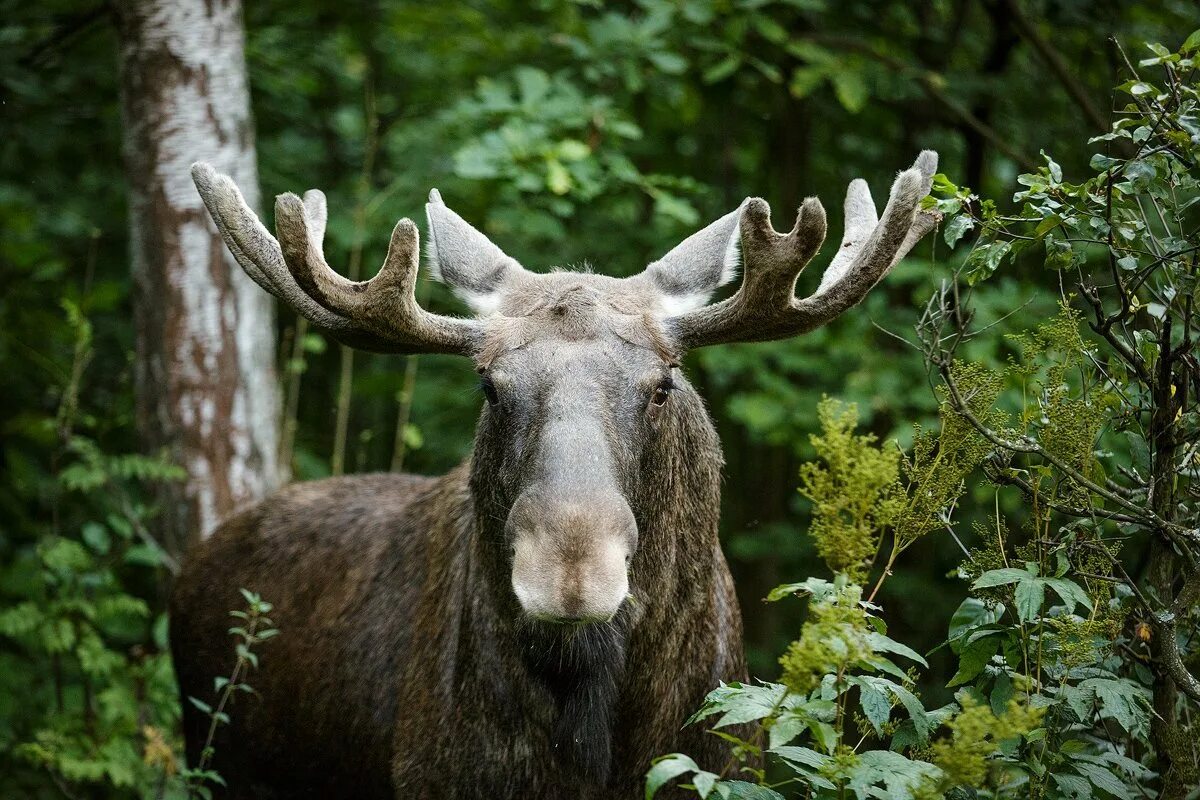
772	263
384	305
256	250
765	308
297	274
865	260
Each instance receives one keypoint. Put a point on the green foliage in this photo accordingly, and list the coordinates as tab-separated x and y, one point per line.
683	109
855	493
253	627
1076	672
88	694
88	699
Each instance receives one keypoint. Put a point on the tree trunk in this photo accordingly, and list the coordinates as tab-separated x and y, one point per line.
206	388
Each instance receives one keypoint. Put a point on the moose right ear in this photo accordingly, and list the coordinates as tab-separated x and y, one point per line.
466	260
687	276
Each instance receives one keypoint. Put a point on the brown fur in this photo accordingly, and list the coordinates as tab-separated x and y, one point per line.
405	667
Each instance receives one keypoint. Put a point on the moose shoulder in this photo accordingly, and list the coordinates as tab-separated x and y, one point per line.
540	621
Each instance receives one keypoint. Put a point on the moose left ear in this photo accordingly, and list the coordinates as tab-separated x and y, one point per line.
687	276
466	260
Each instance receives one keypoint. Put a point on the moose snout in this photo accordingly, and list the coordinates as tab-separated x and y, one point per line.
571	555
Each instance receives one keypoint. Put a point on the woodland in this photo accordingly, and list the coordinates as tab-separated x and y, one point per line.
963	519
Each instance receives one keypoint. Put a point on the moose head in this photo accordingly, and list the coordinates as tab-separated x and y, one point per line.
580	371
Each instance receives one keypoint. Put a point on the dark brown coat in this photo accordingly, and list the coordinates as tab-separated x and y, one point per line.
404	667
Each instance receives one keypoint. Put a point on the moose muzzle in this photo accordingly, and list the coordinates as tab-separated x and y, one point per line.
571	554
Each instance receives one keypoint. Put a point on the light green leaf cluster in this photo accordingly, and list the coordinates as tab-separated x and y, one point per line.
854	488
939	463
833	639
976	733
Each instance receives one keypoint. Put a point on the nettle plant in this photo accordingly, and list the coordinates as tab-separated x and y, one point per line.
1077	646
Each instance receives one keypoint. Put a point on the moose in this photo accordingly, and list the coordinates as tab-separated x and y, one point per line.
541	621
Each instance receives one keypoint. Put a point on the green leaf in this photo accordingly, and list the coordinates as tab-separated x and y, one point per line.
1102	779
96	537
722	69
667	769
670	63
786	727
882	644
984	260
1002	692
973	613
1192	42
704	782
819	588
901	777
973	659
741	790
1070	592
849	88
802	755
875	705
1028	598
958	226
910	701
1121	700
999	577
558	179
1072	786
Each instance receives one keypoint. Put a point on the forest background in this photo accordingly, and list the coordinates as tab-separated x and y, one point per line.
572	133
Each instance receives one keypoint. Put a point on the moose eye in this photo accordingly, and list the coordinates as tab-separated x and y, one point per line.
661	394
489	391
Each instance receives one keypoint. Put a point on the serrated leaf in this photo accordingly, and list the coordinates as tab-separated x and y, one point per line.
999	577
704	782
972	660
741	790
786	727
802	755
667	769
1102	779
1028	598
1071	593
883	644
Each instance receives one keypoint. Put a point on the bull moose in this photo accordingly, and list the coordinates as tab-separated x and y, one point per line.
539	622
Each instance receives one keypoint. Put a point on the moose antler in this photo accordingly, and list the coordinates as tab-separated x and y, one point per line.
380	314
765	307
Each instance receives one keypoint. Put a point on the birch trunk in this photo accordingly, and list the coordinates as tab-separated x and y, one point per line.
206	387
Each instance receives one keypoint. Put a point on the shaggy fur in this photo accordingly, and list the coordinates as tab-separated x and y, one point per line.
405	666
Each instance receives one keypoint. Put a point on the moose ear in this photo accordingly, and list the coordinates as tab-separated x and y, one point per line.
466	260
687	276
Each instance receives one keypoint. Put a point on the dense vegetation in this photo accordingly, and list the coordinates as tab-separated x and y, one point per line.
573	132
1075	678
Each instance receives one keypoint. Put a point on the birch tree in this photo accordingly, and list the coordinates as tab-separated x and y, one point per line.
205	334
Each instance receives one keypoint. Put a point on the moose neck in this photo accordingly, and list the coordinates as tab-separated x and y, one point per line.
580	672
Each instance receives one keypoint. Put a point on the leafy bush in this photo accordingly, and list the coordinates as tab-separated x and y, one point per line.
87	692
1076	660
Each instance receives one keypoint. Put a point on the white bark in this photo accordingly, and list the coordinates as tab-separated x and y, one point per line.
205	333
